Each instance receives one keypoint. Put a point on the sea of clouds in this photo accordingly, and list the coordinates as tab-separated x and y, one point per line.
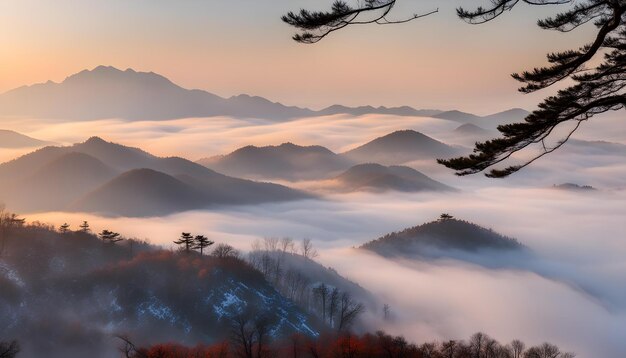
573	293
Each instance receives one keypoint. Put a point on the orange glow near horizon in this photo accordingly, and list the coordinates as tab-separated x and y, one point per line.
437	62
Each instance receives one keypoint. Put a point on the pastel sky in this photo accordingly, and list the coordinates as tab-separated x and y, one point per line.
241	46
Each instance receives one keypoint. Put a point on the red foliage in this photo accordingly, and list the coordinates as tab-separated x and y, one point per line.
172	350
327	346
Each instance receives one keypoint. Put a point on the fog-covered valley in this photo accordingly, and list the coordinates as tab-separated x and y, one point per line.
235	181
572	293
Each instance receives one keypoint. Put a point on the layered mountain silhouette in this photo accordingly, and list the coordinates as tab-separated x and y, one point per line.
58	182
107	92
490	122
286	161
400	147
468	134
363	110
98	176
11	139
574	187
470	129
147	189
597	147
376	177
446	238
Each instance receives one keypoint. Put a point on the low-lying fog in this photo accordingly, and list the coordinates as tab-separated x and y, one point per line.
580	237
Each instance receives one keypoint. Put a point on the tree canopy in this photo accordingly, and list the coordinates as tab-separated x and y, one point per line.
596	88
110	237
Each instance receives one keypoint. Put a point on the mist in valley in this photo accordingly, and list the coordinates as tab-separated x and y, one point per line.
203	179
572	293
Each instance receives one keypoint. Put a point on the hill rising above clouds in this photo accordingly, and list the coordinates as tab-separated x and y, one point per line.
98	176
442	238
400	147
376	177
286	161
490	122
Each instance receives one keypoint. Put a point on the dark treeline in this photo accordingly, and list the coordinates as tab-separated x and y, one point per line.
347	345
64	293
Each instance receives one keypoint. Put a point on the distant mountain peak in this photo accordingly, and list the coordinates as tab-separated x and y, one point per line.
288	161
376	177
95	140
470	128
574	187
12	139
109	74
400	147
407	133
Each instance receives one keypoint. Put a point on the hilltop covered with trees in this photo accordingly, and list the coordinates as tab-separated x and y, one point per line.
446	233
66	293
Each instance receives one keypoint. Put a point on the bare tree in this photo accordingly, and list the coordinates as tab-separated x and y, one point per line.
307	249
428	350
386	312
333	304
128	348
224	250
546	350
448	349
270	243
517	348
321	292
9	349
286	244
477	344
262	327
251	333
349	311
243	335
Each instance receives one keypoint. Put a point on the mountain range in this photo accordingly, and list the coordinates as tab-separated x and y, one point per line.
490	122
292	162
286	161
12	139
107	92
98	176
